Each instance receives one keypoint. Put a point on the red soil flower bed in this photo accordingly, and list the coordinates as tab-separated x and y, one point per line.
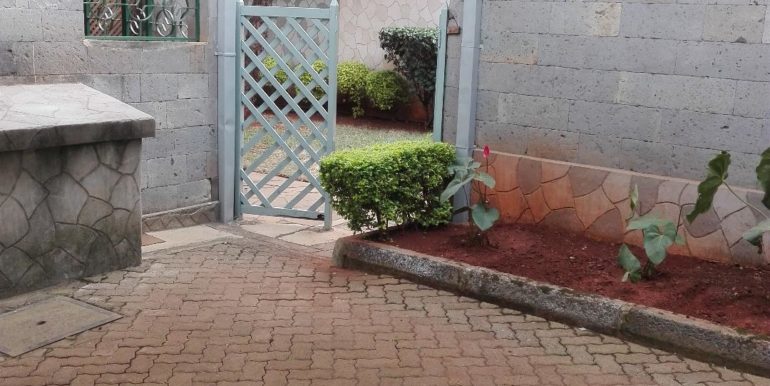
734	296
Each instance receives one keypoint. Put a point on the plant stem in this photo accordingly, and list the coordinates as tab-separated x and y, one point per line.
761	212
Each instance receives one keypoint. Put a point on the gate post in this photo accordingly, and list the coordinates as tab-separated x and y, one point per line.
333	58
226	131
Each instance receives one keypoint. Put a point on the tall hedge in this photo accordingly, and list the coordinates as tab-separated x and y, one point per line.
399	182
414	52
386	89
351	85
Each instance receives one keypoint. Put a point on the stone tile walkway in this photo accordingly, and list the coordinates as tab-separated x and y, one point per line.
259	311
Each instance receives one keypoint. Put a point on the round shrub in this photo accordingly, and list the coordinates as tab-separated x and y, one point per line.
270	63
399	182
386	89
351	85
318	66
414	52
305	77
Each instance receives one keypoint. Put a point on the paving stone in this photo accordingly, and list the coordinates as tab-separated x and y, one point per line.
187	310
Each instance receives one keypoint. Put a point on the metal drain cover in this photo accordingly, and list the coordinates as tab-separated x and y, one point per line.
47	321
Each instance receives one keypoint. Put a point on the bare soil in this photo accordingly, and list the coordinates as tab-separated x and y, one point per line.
730	295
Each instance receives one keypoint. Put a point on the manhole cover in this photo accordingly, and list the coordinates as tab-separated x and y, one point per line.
48	321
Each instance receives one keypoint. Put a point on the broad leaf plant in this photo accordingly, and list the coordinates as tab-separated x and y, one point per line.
717	177
658	235
466	172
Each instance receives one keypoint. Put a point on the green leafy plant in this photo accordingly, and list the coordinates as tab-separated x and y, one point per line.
351	85
413	51
716	177
270	63
319	66
386	89
400	182
466	172
658	235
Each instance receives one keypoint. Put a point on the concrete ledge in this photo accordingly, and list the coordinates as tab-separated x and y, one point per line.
692	337
57	115
181	217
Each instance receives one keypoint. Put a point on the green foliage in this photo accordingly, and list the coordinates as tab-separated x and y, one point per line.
763	176
306	78
398	182
280	75
465	171
716	176
413	51
386	89
351	85
630	264
658	235
754	235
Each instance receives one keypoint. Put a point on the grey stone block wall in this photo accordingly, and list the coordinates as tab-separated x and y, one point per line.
654	87
176	83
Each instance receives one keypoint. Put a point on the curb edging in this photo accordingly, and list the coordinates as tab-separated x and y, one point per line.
692	337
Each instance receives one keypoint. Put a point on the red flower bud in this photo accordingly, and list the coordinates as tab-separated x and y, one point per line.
486	151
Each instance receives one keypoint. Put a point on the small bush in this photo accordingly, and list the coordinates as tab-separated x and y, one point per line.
399	182
351	85
270	64
414	52
386	89
318	66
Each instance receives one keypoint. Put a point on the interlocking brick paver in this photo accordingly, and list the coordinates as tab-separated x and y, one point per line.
261	312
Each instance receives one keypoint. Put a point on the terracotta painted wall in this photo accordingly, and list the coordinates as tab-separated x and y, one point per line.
594	201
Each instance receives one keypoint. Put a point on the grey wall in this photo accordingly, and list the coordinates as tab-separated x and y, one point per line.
655	88
43	42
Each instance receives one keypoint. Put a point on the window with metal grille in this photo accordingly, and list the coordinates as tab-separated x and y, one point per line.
176	20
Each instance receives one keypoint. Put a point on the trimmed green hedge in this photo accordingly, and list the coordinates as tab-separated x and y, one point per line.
387	89
414	52
318	66
351	85
399	182
270	63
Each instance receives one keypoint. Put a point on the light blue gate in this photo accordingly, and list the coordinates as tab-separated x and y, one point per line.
286	82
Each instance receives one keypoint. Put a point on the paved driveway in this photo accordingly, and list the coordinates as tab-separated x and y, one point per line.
256	311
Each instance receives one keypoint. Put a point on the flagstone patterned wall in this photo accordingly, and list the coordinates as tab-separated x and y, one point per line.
68	212
594	201
362	20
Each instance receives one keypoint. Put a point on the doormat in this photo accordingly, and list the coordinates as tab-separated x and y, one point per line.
47	321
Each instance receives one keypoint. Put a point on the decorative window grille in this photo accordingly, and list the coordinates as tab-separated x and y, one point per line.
176	20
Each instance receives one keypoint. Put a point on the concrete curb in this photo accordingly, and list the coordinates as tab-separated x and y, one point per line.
688	336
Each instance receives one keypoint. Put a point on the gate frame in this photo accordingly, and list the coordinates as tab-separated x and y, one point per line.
239	55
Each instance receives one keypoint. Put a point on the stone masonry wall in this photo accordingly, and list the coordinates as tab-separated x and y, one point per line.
362	20
176	83
649	86
68	212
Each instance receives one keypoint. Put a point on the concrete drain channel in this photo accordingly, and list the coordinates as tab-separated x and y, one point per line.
47	321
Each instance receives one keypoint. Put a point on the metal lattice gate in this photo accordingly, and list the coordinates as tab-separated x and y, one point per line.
286	81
